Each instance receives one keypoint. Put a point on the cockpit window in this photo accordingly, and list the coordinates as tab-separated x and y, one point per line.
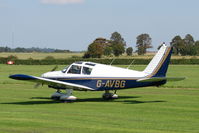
86	70
75	69
79	62
90	64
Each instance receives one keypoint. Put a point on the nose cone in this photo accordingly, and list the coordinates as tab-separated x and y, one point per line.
50	74
45	75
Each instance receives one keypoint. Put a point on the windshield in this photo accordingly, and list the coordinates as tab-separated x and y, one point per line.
75	69
65	69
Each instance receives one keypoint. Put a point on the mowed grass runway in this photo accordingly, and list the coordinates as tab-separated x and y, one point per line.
173	108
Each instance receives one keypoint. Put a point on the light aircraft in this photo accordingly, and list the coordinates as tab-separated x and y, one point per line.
89	76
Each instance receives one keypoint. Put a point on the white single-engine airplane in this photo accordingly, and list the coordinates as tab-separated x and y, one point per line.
89	76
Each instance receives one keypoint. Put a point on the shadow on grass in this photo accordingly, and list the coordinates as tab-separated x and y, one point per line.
40	98
122	99
137	102
33	102
103	100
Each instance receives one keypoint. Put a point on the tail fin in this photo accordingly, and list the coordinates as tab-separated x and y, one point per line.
160	62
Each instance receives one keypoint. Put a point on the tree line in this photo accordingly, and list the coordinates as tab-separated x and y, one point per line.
33	49
101	46
116	46
185	46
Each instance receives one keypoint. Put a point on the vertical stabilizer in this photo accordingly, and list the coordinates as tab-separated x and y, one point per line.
159	64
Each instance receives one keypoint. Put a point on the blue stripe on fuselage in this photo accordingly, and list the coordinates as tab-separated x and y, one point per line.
101	84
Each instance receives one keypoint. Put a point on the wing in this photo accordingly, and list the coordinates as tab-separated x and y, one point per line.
50	82
157	79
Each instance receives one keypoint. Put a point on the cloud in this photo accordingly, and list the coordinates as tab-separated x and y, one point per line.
61	2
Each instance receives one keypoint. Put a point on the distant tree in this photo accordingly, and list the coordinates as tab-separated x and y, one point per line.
49	58
1	49
33	49
96	49
117	43
129	51
117	38
143	43
108	51
197	47
61	51
86	55
189	46
189	39
118	49
18	49
178	44
5	49
12	57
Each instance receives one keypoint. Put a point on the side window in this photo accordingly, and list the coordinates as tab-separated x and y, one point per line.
86	70
75	69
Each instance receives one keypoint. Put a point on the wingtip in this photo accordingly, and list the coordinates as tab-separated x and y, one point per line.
21	77
13	76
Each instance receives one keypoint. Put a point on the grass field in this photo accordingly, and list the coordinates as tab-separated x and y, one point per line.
72	55
173	108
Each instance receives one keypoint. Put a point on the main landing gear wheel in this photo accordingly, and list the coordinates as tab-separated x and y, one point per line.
107	95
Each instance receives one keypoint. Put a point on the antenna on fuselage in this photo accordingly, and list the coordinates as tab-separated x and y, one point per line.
112	62
130	64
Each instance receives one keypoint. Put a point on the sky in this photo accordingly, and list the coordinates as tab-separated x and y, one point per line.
74	24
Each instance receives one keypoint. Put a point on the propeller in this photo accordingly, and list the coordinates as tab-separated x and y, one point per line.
54	68
37	85
41	84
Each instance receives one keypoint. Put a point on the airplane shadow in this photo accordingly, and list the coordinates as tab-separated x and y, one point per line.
32	102
137	102
40	98
122	99
103	100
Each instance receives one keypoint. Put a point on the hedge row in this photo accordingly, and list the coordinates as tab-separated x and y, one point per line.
103	61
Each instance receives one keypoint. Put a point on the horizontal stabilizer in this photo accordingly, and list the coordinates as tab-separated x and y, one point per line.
157	79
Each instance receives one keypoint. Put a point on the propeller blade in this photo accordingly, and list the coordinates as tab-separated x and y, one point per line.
37	85
54	68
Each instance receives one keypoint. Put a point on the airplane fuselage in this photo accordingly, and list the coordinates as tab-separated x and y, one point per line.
106	83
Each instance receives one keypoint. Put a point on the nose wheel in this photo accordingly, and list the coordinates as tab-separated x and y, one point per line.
64	96
57	95
107	95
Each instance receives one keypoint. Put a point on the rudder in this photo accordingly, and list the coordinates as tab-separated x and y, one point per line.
160	62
